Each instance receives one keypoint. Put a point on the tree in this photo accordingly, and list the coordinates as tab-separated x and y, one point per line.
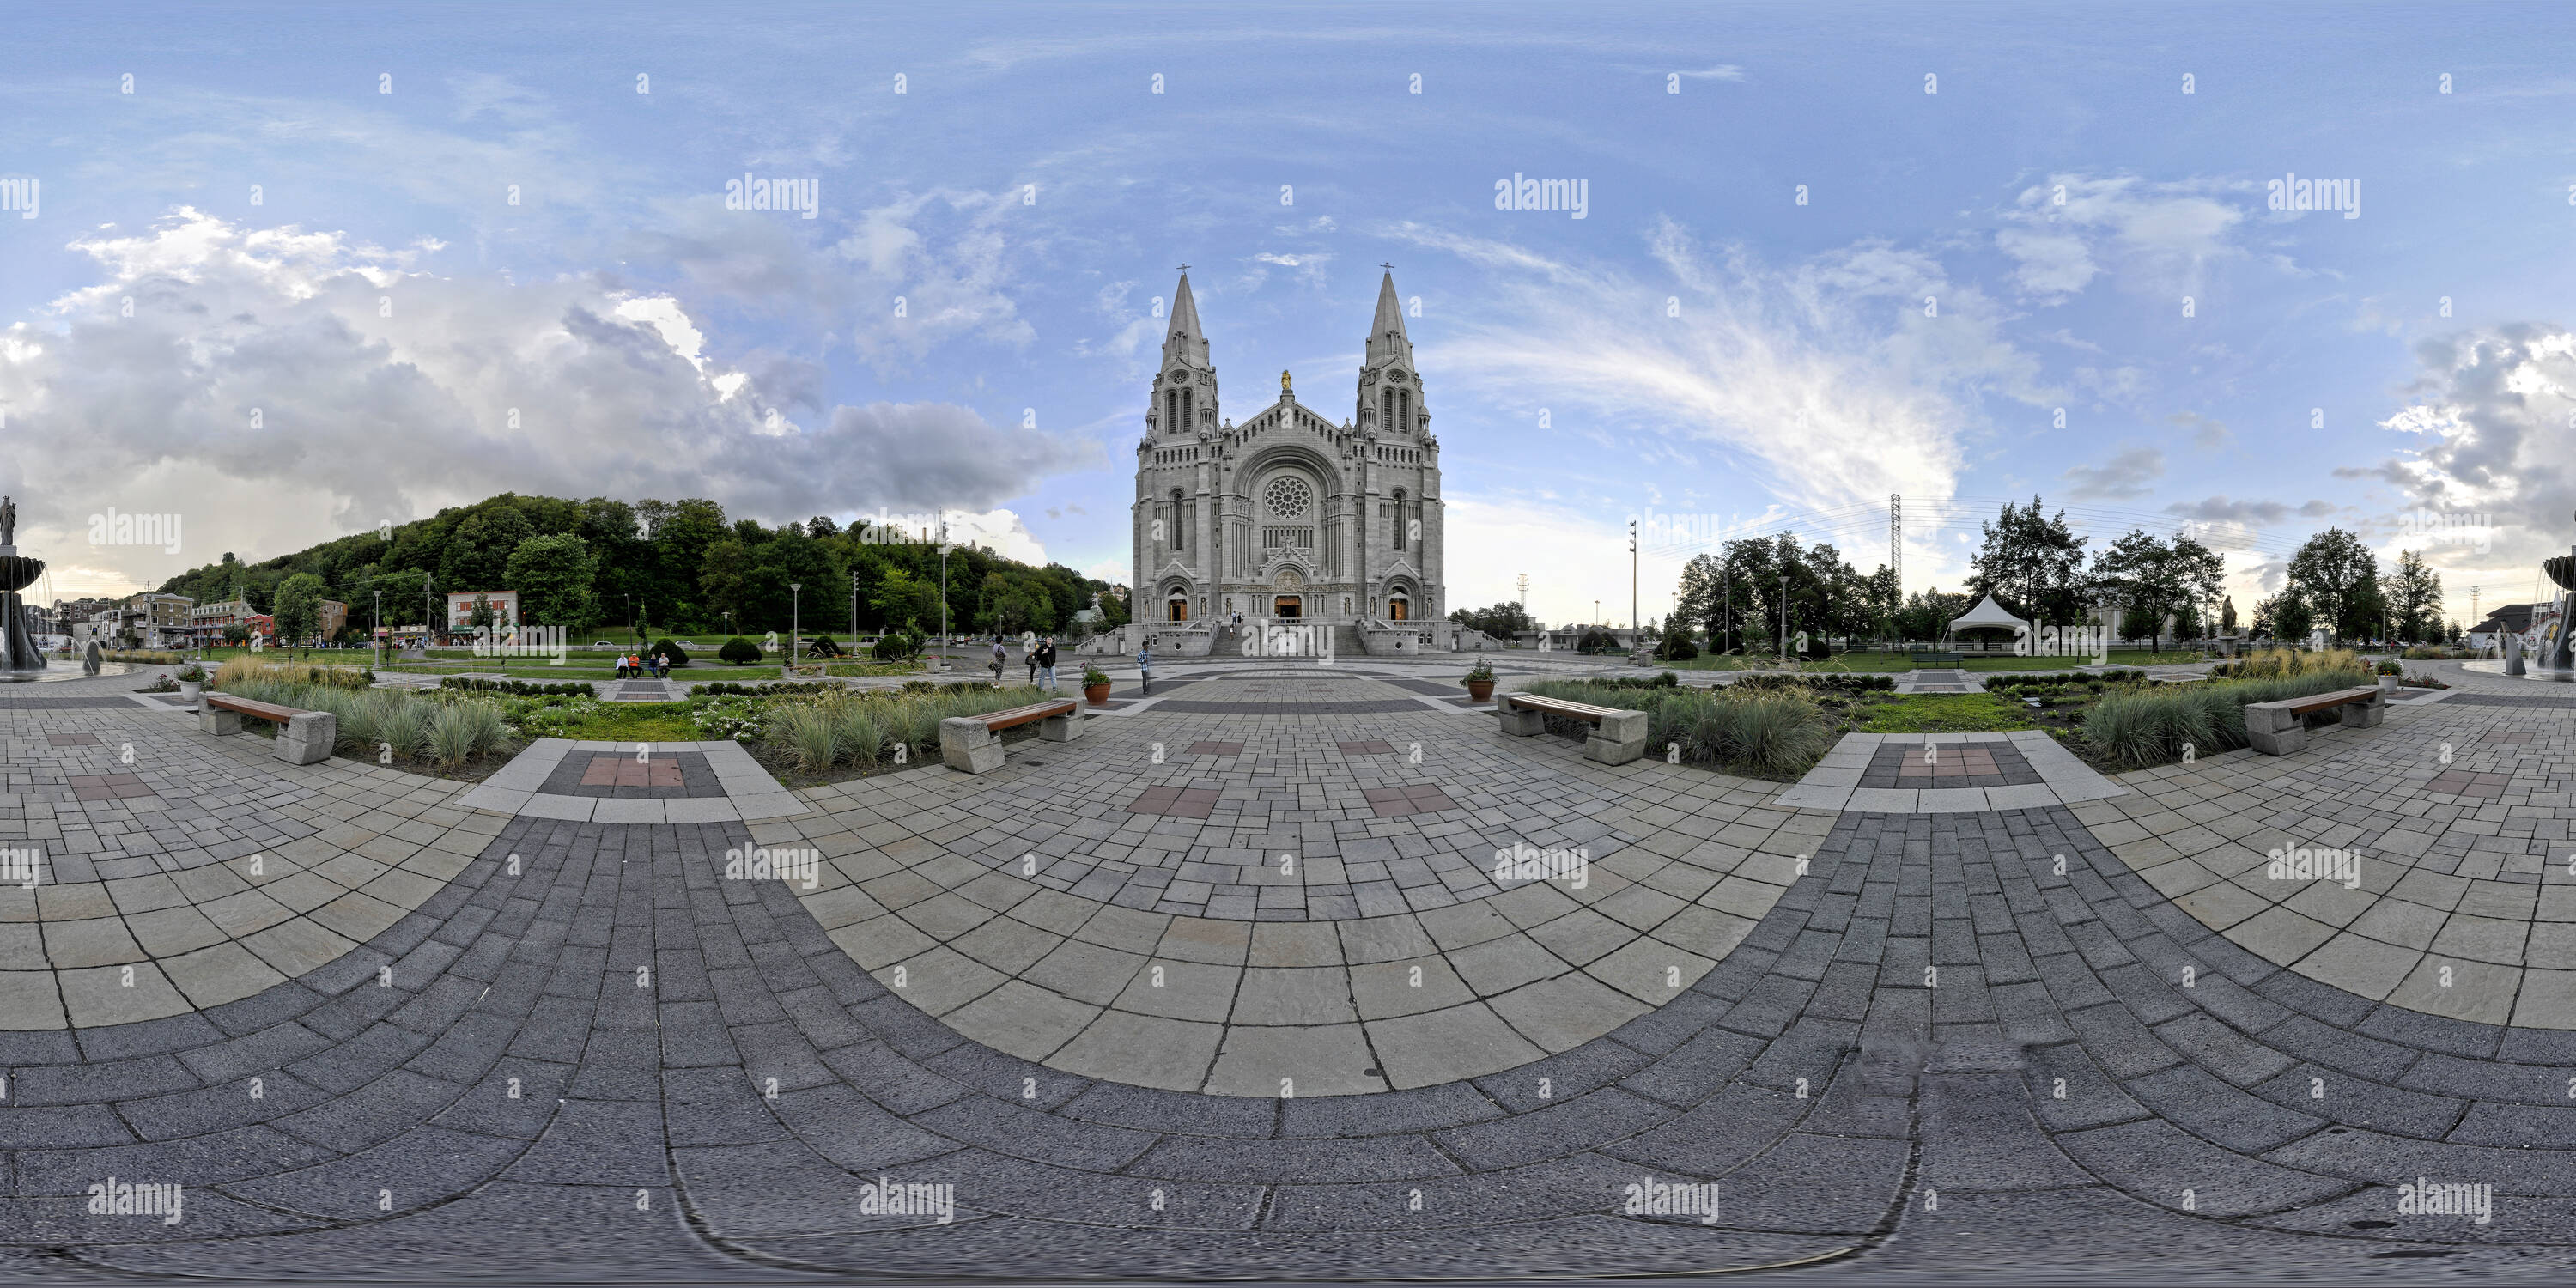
1503	621
2147	577
738	651
477	553
2336	577
553	575
2415	598
299	610
2033	566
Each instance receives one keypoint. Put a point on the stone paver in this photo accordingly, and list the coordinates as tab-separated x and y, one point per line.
1943	1040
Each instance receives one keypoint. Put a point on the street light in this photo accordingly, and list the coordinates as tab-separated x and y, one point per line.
943	592
1784	619
795	598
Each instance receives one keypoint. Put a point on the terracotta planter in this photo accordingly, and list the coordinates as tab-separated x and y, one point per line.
1480	690
1096	694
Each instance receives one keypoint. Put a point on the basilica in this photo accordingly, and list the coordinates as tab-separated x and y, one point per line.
1287	516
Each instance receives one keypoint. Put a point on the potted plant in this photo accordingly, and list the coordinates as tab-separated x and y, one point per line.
192	680
1095	685
2388	673
1480	682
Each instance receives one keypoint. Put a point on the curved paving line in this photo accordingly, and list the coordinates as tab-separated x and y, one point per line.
663	1089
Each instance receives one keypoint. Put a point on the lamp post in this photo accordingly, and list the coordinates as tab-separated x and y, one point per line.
376	627
943	592
795	597
1632	583
1784	619
428	586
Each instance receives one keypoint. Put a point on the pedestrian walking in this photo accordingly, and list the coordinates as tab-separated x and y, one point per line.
1046	662
999	657
1145	664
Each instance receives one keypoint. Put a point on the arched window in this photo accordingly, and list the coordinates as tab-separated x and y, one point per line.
1190	410
1177	543
1404	404
1388	424
1398	525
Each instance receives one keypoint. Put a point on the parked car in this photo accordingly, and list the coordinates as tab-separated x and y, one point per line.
686	643
601	644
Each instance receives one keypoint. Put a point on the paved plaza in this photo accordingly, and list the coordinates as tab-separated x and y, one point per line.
1293	972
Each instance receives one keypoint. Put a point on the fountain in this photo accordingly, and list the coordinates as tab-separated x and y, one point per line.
19	659
2561	656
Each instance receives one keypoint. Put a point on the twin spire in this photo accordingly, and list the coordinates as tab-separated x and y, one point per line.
1386	342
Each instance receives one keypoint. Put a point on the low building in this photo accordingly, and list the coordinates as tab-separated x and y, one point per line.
163	620
463	605
330	617
207	621
2509	619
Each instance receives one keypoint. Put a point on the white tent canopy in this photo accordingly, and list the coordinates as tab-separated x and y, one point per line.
1991	616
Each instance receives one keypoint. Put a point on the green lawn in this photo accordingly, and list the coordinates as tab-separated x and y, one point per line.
1890	663
1947	713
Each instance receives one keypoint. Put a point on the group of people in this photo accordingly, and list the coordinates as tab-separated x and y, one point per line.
637	666
1039	653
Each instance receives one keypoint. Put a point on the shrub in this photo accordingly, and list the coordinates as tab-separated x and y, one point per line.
1483	673
896	646
806	730
1844	682
671	649
1092	675
2149	726
522	688
1776	729
1677	647
1595	640
406	726
739	651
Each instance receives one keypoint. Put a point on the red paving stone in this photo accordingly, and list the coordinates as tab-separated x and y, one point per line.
613	770
1374	747
1216	749
71	740
1395	802
107	787
1175	802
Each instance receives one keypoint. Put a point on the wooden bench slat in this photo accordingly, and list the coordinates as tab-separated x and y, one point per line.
2337	698
1017	716
248	707
1560	706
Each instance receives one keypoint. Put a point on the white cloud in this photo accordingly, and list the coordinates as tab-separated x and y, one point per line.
1826	377
2126	474
368	411
2158	238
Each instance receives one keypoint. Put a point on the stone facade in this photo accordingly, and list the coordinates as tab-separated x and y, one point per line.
1287	516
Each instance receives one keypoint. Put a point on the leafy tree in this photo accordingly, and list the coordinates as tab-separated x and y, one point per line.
2336	577
299	611
1502	621
477	554
2034	566
2147	577
739	651
553	575
2415	598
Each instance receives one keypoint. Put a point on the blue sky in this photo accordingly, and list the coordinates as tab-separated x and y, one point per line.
1698	345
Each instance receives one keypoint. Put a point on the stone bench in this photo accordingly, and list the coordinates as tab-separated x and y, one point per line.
2280	728
1951	659
1617	736
968	743
303	737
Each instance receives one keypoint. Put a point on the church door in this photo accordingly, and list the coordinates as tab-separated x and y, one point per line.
1287	608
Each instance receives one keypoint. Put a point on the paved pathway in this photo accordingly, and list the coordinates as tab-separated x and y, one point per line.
1955	1042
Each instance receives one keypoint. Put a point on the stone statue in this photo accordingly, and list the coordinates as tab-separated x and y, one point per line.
8	522
1283	382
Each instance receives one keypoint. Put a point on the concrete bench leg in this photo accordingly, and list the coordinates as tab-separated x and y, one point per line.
217	721
2275	733
2363	715
307	739
1060	728
1520	723
1618	739
968	747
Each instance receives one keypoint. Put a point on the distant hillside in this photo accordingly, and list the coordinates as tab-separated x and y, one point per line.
598	565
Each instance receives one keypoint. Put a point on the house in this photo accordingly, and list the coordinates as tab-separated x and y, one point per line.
2508	619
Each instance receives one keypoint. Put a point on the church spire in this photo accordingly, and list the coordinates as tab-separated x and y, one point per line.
1185	326
1387	341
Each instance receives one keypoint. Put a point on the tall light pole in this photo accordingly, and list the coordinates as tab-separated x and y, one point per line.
376	626
795	599
428	584
1784	619
1632	583
854	612
943	592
